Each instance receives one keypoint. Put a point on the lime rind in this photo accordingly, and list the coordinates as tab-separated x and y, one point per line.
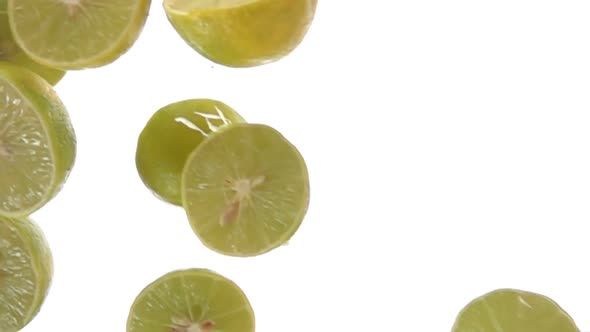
36	93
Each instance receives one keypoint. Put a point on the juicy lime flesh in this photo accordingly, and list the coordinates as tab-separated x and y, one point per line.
171	135
10	51
188	5
245	190
510	310
73	33
195	300
17	279
26	162
243	35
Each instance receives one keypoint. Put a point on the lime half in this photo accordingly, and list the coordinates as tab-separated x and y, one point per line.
37	142
245	190
9	51
76	34
195	300
242	33
170	135
26	270
511	310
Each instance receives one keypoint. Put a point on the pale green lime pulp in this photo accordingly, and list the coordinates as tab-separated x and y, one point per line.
26	165
245	190
510	310
194	300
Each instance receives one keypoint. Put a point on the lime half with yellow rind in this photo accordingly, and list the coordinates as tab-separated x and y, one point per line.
193	300
76	34
37	142
245	190
242	33
11	52
26	271
170	136
513	310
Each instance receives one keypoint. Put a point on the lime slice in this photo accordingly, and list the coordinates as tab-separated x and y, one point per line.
511	310
171	134
9	51
241	33
26	270
195	300
76	34
37	142
245	190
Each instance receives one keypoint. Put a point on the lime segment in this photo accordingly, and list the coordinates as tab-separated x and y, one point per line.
242	33
76	34
169	137
195	300
26	271
245	190
37	142
511	310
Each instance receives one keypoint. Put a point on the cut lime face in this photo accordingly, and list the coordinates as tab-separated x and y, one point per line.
26	271
195	300
169	137
9	51
245	190
241	33
76	34
37	142
511	310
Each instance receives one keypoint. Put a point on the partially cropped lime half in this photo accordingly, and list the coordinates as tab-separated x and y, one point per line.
170	136
26	271
76	34
37	142
513	310
194	300
11	52
242	33
245	190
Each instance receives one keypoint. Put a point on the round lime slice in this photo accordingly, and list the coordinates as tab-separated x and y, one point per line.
37	142
76	34
26	271
242	33
10	52
195	300
170	135
245	190
512	310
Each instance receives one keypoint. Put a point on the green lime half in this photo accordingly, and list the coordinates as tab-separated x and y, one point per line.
26	271
195	300
245	190
37	142
76	34
9	51
170	135
241	33
512	310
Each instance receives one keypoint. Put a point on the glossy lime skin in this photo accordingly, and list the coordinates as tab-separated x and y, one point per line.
33	248
513	310
170	135
191	300
247	35
11	52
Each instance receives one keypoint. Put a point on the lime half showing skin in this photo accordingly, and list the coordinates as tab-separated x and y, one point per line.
242	33
76	34
170	136
512	310
195	300
245	190
26	271
37	142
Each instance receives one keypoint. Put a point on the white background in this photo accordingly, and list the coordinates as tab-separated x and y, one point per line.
448	146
